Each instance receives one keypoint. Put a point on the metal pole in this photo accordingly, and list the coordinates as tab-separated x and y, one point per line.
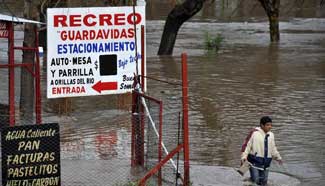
38	106
141	81
133	128
185	120
11	74
178	136
135	38
160	142
142	59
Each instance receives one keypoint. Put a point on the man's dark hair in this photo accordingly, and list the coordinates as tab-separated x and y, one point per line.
265	119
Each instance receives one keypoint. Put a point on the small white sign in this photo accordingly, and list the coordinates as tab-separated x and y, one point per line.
92	51
3	30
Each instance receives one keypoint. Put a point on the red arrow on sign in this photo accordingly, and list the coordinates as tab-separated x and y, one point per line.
99	86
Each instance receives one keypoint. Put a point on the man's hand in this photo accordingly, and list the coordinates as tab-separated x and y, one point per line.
243	160
280	162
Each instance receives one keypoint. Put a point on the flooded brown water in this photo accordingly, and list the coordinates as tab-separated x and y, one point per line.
229	90
249	78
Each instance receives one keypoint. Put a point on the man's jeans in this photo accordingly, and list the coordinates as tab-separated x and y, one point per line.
258	176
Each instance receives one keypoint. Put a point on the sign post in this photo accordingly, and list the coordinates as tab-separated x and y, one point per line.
92	51
31	155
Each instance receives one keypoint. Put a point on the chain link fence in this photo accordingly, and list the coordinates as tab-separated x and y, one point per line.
158	120
95	140
95	134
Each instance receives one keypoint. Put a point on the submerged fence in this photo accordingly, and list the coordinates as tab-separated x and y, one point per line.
157	140
160	131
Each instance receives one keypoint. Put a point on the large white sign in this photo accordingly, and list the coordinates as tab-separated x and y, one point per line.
92	51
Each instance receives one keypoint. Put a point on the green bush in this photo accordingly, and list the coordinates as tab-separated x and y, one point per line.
213	42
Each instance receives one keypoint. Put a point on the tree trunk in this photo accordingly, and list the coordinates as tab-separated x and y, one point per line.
174	21
27	80
42	34
274	28
271	8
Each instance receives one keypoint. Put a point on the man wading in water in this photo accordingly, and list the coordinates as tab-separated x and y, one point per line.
259	151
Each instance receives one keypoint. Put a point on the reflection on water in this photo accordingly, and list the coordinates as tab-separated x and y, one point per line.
106	137
105	143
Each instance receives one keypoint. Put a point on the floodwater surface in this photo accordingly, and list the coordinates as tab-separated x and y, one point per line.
248	78
229	91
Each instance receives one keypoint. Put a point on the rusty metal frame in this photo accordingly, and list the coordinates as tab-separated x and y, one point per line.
35	72
183	146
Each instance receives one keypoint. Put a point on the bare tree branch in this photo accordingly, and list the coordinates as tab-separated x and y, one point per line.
236	9
254	6
290	7
302	3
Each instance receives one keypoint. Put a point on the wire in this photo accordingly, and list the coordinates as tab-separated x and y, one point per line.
156	132
135	40
160	80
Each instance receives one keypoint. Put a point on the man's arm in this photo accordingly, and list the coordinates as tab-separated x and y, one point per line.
275	153
247	149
